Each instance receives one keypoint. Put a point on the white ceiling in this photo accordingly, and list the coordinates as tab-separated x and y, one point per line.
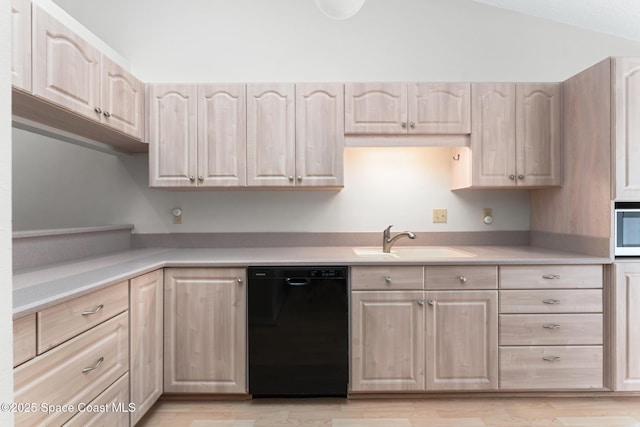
619	18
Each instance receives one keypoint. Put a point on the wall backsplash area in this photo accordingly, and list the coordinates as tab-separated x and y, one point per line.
74	186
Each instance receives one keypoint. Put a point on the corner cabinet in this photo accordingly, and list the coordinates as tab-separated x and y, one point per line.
515	137
73	74
626	127
205	330
146	334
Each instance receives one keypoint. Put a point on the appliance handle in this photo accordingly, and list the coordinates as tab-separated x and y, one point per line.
297	282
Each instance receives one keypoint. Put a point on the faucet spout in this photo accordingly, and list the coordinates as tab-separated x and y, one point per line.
388	241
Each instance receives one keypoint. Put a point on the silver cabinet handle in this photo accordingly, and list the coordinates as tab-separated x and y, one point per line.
412	125
512	177
192	178
551	326
94	367
98	110
404	125
431	302
200	178
387	279
551	358
421	301
520	176
107	114
551	276
239	279
94	311
290	177
462	279
551	301
299	178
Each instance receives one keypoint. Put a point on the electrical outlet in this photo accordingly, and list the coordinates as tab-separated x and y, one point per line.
177	216
439	215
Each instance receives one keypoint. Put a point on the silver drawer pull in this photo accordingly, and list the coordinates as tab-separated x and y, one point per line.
94	367
551	326
551	358
431	302
551	301
551	276
387	279
94	311
462	279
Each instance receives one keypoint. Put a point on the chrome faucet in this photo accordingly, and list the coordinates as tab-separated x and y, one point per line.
387	241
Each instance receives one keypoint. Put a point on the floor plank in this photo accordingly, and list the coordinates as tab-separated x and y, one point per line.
440	412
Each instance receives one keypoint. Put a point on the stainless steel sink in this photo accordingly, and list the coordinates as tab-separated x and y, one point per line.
411	252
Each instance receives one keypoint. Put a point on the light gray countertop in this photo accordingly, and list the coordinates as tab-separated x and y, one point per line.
39	288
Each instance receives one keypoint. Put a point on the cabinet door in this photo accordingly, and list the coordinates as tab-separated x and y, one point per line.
271	141
493	134
222	143
627	318
21	44
172	135
538	157
66	69
626	111
319	134
145	368
375	108
387	341
122	99
462	340
439	108
205	330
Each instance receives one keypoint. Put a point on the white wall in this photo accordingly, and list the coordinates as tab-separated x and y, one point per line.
6	310
289	40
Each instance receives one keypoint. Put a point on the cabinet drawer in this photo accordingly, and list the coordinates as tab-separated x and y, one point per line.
461	277
551	301
387	278
24	339
63	321
108	409
57	378
550	329
550	276
551	367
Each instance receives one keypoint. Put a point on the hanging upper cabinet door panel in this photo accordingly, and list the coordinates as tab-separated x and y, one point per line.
375	108
122	99
66	69
222	142
271	135
21	44
626	122
439	108
173	139
319	134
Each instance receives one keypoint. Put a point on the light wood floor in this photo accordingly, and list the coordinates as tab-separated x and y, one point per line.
438	412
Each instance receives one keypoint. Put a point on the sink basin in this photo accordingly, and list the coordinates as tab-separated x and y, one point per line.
411	252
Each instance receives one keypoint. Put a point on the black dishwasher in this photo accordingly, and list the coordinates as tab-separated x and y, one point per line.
298	331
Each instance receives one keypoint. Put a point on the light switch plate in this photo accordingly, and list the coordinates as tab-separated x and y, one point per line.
439	215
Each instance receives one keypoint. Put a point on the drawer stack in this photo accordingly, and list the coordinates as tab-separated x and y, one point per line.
83	358
551	327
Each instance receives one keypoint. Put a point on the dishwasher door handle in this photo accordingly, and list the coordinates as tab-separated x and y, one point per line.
297	282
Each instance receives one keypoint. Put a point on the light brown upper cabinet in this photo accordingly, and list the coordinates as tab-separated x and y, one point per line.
407	108
295	135
196	135
626	110
73	74
515	137
21	44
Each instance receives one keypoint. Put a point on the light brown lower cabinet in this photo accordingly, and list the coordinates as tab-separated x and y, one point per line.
417	341
205	326
627	327
110	409
146	327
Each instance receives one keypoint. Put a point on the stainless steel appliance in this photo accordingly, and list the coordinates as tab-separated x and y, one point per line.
627	228
298	331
